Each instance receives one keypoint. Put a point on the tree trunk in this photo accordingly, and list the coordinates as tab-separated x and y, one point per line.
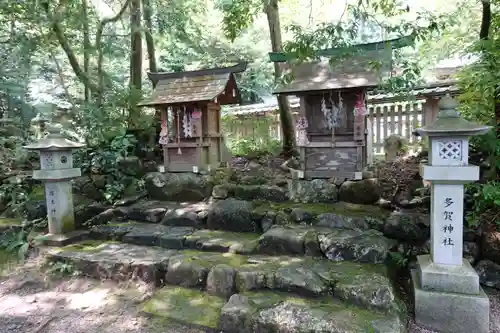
86	46
135	59
272	12
100	54
153	67
150	44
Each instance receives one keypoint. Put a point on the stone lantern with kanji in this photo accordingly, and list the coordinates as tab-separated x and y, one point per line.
57	171
448	297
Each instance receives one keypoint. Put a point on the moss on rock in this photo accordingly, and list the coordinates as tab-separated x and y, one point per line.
277	312
189	306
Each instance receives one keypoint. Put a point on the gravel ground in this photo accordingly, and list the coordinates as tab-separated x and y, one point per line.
32	302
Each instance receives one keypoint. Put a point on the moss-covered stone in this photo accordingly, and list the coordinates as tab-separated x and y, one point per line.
221	281
112	231
222	241
276	312
250	192
283	240
364	285
315	209
316	190
115	260
232	215
189	306
191	268
368	246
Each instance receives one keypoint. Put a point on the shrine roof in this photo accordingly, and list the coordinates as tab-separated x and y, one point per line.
350	71
193	86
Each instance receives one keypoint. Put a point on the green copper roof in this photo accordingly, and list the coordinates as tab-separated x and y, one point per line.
396	43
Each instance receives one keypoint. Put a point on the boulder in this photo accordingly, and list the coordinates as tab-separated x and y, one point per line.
232	215
369	246
250	192
489	273
220	192
221	281
275	313
268	220
364	192
491	246
301	280
146	211
471	252
316	190
86	187
85	212
335	221
183	272
283	240
299	215
180	187
407	227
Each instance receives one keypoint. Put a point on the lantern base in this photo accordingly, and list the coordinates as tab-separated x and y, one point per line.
461	279
62	239
450	312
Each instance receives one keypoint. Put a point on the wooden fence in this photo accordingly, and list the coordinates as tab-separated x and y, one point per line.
383	119
401	118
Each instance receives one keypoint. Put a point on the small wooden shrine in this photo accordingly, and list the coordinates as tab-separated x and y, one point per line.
190	108
331	129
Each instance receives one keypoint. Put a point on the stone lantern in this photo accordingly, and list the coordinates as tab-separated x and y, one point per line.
448	297
56	162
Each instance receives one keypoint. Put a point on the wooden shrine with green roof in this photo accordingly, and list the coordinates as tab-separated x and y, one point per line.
190	108
332	136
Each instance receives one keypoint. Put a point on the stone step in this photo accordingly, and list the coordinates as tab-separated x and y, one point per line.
368	246
177	238
223	274
269	312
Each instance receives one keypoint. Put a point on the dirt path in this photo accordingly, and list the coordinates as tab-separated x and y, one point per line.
32	302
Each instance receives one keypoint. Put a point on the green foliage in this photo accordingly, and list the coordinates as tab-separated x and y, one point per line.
398	259
15	242
253	136
62	269
252	148
238	15
486	204
104	159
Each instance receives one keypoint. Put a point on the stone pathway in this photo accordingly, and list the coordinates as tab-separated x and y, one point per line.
32	303
265	280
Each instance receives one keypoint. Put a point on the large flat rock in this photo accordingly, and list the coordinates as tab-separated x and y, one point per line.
268	312
115	260
177	237
222	241
369	246
276	312
223	274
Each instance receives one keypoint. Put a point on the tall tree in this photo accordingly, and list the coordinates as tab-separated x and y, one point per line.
272	11
135	45
148	33
239	15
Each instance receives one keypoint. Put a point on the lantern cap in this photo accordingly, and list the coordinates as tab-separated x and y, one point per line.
450	123
54	141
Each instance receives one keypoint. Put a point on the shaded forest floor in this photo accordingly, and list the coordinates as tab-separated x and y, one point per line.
34	302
